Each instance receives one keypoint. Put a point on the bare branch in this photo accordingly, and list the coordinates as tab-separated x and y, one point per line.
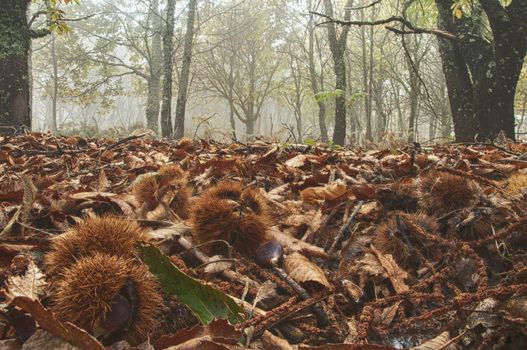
412	28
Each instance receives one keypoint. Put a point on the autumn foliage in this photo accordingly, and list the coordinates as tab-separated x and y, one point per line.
390	246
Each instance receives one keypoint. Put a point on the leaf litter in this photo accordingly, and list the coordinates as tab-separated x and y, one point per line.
412	248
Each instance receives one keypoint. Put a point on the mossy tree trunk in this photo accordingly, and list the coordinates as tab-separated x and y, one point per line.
15	40
482	70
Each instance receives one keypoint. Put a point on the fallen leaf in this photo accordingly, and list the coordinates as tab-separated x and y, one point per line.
437	343
103	181
207	303
301	269
272	342
30	192
354	291
31	284
44	340
297	161
46	320
394	272
313	195
386	316
217	335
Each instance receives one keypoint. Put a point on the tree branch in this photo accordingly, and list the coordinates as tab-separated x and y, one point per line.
412	28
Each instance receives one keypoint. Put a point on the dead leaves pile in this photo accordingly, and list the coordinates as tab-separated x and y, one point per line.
455	280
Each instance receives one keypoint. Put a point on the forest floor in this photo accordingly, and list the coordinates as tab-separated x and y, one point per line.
413	247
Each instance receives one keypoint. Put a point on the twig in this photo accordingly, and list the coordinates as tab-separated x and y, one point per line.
120	142
201	123
366	6
229	274
405	22
344	227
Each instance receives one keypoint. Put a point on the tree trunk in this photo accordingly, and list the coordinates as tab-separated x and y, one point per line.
179	131
313	78
15	41
337	44
366	78
55	92
249	127
482	74
154	80
166	109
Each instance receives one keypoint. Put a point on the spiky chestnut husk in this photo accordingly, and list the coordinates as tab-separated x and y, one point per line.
475	223
442	193
516	184
400	195
232	213
425	160
168	185
106	234
391	237
173	171
145	187
85	293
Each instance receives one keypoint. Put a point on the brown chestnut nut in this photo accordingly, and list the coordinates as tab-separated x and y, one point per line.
270	254
118	315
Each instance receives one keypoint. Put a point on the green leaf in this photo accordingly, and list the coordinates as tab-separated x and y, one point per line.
207	303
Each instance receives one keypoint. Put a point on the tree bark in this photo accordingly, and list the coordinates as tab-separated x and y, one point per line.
179	131
313	78
15	41
156	60
166	109
55	92
338	47
482	74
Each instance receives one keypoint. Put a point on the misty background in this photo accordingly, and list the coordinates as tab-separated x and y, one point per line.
267	59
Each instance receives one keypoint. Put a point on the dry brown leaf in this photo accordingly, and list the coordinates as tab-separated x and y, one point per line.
313	195
394	272
9	344
103	181
353	290
370	265
297	161
291	244
46	320
31	284
30	192
218	335
386	316
437	343
301	269
44	340
368	208
272	342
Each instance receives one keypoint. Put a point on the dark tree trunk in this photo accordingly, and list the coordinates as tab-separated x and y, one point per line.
166	109
179	131
154	79
482	74
337	45
15	41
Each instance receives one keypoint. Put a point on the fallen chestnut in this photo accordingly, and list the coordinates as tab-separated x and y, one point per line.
270	254
118	316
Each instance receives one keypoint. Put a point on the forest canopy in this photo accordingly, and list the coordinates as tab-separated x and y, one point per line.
341	71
